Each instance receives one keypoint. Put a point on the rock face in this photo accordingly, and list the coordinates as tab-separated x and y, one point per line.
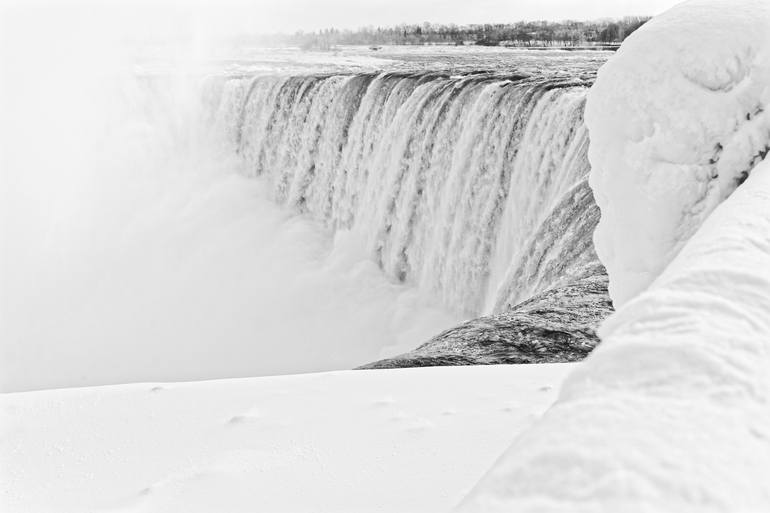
558	325
558	270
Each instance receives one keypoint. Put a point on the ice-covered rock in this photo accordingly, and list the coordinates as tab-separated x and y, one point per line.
677	121
670	413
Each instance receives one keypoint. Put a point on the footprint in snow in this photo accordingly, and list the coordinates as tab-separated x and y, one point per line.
399	416
419	425
243	419
385	401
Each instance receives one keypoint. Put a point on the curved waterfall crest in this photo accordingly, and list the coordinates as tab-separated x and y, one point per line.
445	178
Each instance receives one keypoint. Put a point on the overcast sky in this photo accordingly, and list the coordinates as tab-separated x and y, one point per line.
269	16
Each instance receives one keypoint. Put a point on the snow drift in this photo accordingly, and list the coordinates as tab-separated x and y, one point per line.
348	441
678	120
670	413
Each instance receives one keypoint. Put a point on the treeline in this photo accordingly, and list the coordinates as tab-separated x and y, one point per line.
524	33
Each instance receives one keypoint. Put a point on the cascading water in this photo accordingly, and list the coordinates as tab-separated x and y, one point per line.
471	187
437	184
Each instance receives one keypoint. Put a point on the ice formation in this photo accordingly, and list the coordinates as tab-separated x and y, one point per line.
670	412
677	121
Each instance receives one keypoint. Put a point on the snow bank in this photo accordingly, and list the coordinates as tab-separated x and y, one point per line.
404	440
670	413
677	120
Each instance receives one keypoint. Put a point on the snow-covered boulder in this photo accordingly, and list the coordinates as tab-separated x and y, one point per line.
677	120
670	413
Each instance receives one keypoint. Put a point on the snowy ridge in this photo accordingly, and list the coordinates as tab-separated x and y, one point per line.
670	413
674	131
446	178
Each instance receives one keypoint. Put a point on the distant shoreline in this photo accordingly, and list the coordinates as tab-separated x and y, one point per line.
605	34
611	47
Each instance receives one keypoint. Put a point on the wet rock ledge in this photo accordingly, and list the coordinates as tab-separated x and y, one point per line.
558	325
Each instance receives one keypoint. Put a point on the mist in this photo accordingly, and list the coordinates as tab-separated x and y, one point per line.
133	247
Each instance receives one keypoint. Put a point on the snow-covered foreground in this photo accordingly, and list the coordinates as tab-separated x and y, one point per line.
404	440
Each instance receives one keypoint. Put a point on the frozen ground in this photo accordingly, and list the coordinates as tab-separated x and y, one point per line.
403	440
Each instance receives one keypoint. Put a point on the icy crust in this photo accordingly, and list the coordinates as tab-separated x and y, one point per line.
677	120
670	413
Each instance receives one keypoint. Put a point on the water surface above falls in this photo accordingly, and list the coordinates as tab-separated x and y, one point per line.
461	171
252	61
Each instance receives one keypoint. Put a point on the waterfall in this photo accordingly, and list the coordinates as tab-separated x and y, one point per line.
472	187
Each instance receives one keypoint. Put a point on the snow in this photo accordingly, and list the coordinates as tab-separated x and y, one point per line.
669	414
398	440
676	119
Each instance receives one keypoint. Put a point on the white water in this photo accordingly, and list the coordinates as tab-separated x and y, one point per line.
136	247
133	250
422	167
